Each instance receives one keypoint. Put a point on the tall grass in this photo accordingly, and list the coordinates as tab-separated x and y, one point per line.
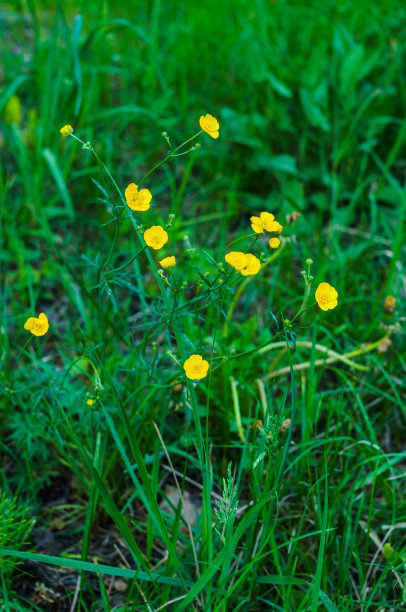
276	481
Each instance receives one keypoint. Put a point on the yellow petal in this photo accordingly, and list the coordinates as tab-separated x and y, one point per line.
30	322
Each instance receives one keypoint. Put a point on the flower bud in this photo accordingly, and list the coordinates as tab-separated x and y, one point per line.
165	135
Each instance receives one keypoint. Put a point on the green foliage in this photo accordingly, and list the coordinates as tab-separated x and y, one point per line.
15	528
227	506
97	414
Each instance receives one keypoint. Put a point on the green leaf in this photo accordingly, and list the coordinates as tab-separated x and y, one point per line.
56	172
283	163
278	86
92	567
11	89
312	111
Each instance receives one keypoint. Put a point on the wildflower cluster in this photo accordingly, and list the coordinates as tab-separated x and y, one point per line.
249	264
156	237
139	200
266	223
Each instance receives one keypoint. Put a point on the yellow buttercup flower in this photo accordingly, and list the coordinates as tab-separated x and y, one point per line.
66	130
137	200
37	326
252	265
274	243
196	367
274	227
155	237
210	125
91	401
168	262
326	296
265	221
236	259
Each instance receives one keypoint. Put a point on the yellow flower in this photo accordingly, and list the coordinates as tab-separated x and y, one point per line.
66	130
265	221
274	243
209	124
252	265
236	259
91	402
168	262
38	327
326	296
196	367
137	200
274	227
155	237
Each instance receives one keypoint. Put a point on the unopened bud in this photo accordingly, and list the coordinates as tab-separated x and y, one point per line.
165	135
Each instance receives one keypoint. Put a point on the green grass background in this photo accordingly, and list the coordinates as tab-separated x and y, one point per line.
311	98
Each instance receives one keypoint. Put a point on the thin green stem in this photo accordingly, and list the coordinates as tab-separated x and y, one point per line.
238	240
292	417
305	298
210	369
398	242
158	165
242	287
187	141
